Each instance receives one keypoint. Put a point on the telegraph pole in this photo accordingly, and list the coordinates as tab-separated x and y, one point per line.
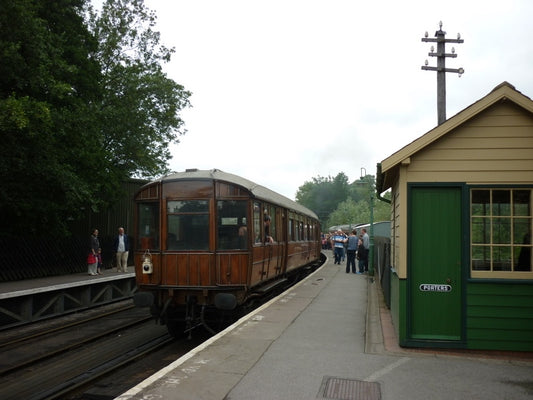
440	39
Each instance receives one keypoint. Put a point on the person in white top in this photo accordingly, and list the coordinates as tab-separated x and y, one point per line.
122	247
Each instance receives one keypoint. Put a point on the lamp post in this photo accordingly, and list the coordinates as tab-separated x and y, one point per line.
371	233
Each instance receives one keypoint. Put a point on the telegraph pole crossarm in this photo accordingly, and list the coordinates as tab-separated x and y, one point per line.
440	39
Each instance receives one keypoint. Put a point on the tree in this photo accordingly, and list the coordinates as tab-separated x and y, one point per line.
346	213
139	114
337	202
83	105
46	83
323	195
364	195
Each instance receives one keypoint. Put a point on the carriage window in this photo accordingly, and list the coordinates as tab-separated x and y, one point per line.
188	225
291	227
500	232
258	223
232	228
298	229
270	212
148	226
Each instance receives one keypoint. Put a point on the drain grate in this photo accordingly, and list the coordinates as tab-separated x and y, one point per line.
333	388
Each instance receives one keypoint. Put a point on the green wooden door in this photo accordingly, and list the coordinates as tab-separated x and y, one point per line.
434	279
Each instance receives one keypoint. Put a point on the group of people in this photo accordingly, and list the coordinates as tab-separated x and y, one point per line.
121	247
357	247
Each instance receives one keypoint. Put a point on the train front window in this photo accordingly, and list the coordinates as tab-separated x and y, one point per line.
232	225
148	225
188	225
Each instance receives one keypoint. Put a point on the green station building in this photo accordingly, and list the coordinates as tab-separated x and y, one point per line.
462	199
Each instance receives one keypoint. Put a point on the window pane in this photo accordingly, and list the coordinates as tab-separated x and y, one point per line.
188	232
291	229
188	206
232	229
501	230
480	258
272	214
257	223
521	227
481	230
480	202
148	226
524	255
501	202
501	258
522	202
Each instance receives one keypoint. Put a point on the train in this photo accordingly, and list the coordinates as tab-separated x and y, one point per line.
211	244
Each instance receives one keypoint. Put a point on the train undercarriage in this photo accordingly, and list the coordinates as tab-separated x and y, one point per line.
184	310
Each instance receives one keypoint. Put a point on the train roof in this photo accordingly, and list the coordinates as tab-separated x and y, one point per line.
258	191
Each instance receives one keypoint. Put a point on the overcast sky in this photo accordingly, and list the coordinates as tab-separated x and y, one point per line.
284	91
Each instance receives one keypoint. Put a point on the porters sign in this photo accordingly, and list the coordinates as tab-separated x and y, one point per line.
431	287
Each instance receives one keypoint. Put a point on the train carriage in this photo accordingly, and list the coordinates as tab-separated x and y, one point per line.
210	242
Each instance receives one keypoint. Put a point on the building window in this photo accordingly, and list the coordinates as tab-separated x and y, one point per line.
500	233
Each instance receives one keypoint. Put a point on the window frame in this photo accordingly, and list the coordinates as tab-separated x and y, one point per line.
506	218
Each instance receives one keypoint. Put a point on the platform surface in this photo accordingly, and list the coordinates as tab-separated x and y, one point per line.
325	339
51	283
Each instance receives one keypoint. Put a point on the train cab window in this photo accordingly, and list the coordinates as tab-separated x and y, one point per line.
148	225
188	225
232	225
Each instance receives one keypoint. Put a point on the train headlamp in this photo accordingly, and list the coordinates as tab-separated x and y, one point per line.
147	266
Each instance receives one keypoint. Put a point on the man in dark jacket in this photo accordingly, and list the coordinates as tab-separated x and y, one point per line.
122	248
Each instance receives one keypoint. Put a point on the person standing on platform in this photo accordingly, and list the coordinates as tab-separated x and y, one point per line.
122	248
361	255
366	243
100	263
94	248
351	249
338	246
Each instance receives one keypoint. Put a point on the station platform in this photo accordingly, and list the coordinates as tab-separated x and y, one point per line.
330	337
31	300
39	285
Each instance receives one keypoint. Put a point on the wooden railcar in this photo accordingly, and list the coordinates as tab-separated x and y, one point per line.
207	241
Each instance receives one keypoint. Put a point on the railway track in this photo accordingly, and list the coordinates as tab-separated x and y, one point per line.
52	362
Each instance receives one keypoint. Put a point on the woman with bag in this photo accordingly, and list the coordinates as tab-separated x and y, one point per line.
92	258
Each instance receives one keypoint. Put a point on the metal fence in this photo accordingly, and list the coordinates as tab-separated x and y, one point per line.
29	258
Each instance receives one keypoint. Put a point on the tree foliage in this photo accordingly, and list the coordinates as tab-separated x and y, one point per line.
338	202
83	104
323	195
139	113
